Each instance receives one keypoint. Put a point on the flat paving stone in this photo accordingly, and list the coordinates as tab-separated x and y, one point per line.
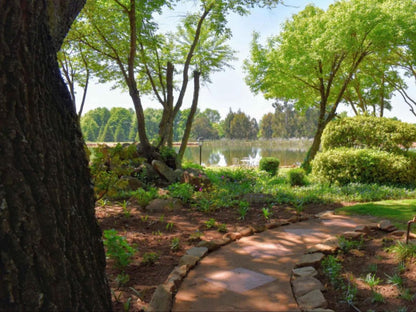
239	280
267	250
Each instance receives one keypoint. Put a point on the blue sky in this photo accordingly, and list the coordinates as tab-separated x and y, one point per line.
228	89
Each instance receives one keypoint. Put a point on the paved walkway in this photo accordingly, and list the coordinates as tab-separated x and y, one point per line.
253	273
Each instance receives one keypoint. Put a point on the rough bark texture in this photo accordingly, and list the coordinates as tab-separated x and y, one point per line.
51	253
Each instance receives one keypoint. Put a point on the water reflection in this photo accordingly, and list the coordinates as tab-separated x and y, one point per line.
227	153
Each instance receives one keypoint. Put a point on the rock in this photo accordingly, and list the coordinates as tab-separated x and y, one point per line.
257	198
222	241
304	285
387	226
305	272
180	270
188	261
129	183
208	244
197	178
362	229
329	245
161	300
233	236
272	225
310	259
398	233
258	228
197	252
312	300
320	310
161	205
353	235
147	173
163	170
293	219
246	231
325	215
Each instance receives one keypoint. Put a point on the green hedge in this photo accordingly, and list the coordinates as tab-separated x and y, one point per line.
346	165
369	132
297	177
269	164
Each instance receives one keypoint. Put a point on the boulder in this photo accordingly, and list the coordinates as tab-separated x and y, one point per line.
304	285
161	205
164	171
161	299
310	259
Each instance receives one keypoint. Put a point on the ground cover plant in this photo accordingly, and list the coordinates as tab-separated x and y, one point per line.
161	222
376	274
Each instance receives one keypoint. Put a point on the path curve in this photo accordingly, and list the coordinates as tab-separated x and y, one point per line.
253	273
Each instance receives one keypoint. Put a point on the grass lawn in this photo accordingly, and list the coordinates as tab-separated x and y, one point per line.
398	211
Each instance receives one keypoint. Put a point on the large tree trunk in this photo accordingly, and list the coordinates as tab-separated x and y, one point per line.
51	253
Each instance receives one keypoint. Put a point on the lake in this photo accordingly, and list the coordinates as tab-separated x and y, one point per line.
235	152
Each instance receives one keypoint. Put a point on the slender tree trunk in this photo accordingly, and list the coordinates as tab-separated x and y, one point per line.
190	120
51	253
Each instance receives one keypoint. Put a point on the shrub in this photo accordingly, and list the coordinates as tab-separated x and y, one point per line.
297	177
345	165
118	248
369	132
269	164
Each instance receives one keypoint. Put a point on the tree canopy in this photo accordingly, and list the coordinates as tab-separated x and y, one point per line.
131	52
318	53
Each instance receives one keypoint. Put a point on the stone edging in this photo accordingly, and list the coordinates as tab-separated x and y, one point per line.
164	294
307	290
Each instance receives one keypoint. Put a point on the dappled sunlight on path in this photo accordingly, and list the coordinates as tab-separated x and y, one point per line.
253	273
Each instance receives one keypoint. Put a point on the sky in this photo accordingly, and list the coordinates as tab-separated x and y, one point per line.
228	89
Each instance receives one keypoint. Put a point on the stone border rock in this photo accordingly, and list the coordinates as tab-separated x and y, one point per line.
162	299
306	289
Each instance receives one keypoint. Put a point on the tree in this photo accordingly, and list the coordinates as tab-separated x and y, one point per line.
202	127
138	57
315	57
52	257
266	123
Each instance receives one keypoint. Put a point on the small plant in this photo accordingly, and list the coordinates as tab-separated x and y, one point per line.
331	267
127	305
350	293
401	267
162	218
102	202
144	197
266	213
122	279
372	267
243	209
183	191
377	297
222	228
347	244
169	226
150	258
297	177
403	251
269	164
126	210
195	236
144	218
118	248
395	279
210	223
175	244
407	295
371	280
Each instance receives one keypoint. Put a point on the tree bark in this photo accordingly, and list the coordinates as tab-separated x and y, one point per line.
51	253
190	120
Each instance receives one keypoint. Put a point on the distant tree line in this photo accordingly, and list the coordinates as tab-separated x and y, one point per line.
120	124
